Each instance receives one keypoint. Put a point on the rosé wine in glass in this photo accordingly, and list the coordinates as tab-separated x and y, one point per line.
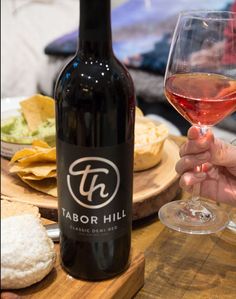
202	98
200	83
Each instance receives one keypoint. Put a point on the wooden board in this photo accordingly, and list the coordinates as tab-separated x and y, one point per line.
152	188
58	284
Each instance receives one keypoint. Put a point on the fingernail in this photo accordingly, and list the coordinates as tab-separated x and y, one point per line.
200	175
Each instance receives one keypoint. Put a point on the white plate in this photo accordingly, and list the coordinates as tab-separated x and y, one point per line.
173	130
225	135
11	104
10	107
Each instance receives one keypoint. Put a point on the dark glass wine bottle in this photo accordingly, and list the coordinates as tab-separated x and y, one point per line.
95	106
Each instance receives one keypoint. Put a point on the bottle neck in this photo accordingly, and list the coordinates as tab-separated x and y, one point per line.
95	28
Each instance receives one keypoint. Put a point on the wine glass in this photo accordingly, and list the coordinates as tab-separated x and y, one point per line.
200	82
232	214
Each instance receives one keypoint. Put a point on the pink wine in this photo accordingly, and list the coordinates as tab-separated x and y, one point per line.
202	98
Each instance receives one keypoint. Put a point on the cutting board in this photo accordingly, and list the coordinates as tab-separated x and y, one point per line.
58	284
152	188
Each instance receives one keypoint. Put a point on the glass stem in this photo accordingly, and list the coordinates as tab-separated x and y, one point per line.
194	201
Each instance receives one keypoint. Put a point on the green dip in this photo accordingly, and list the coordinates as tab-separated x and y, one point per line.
15	130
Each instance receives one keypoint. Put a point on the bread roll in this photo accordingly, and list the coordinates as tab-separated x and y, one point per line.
27	254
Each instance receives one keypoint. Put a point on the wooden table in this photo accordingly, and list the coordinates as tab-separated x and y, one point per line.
185	266
179	265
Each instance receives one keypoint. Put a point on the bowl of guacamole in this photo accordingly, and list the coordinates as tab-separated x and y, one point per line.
18	131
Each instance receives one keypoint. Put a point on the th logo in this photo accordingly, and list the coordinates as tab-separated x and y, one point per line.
93	181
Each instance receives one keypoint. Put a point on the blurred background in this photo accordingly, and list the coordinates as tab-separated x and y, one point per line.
39	36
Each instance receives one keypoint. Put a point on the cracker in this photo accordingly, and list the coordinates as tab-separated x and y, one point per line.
12	208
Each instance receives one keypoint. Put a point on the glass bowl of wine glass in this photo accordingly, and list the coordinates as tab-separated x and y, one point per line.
200	83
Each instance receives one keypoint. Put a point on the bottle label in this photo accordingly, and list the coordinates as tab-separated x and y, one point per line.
95	190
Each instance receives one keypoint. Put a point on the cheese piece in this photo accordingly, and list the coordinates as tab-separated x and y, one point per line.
27	254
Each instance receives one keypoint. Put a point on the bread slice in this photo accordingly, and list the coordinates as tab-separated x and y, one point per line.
10	208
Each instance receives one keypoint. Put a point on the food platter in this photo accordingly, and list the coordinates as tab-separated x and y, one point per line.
152	188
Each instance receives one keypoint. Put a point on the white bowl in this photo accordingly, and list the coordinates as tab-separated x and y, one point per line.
11	108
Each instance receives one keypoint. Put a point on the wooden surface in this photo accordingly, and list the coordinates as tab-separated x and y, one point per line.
182	266
152	188
58	284
158	185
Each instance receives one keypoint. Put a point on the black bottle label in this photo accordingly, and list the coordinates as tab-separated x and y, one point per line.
95	190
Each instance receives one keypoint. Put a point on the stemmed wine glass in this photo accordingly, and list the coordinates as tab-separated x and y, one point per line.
200	82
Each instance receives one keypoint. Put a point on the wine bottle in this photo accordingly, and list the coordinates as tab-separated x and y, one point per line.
95	106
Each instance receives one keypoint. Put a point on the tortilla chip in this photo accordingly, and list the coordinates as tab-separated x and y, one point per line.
37	109
45	155
40	143
38	169
33	177
22	154
48	186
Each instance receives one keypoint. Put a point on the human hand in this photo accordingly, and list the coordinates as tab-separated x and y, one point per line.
218	175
